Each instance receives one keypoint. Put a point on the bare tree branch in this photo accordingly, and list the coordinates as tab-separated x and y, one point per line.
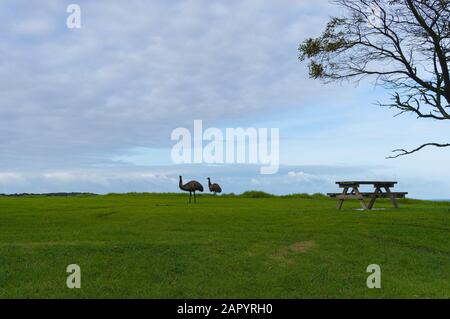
403	152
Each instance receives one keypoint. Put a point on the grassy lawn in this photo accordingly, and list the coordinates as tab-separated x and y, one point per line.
158	246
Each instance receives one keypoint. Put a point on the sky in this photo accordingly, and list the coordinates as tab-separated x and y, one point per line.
92	109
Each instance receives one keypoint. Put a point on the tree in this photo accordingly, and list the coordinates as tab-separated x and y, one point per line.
403	44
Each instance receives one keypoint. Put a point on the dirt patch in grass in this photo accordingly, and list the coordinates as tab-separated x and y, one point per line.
303	246
298	248
103	215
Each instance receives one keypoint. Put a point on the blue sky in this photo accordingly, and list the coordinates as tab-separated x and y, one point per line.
93	109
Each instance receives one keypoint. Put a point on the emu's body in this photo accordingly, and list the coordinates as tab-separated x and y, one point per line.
215	188
191	187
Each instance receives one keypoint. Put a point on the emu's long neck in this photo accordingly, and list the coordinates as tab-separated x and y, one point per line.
180	184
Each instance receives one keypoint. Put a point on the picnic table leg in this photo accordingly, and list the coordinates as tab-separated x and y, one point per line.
361	199
391	196
341	201
374	197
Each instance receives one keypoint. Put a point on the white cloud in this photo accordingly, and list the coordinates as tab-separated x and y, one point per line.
305	177
33	27
137	70
7	178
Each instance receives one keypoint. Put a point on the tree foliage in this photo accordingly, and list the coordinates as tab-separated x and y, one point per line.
403	44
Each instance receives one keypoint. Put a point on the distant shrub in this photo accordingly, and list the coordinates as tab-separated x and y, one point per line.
256	194
306	196
302	196
60	194
228	195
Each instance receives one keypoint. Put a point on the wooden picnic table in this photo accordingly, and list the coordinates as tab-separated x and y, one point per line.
355	193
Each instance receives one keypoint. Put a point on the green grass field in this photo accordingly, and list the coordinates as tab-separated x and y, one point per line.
158	246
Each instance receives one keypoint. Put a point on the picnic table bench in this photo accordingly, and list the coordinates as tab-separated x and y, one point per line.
356	194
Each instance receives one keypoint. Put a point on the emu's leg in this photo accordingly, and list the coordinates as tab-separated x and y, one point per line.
190	196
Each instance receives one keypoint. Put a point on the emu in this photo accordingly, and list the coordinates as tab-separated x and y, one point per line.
214	187
191	187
